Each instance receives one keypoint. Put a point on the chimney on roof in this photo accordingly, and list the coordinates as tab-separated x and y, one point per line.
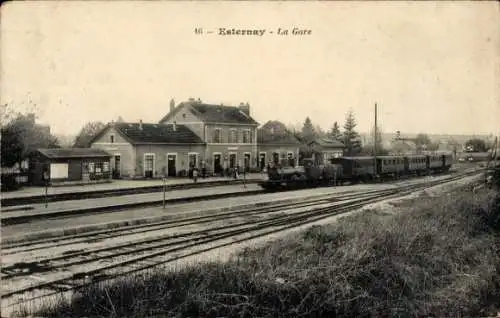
245	108
140	124
172	105
174	126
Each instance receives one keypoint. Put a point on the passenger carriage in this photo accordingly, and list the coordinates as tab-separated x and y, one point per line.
415	164
355	168
390	165
447	161
434	162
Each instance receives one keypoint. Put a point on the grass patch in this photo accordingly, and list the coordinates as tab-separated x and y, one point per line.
438	258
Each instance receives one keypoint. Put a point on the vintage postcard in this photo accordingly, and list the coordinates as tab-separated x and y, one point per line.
250	159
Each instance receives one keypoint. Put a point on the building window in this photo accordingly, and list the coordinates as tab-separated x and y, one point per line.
112	138
246	162
233	136
98	167
217	136
149	165
232	160
276	157
291	161
193	160
246	136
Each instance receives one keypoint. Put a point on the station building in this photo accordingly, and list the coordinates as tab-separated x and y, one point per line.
149	150
196	134
325	149
229	133
60	166
277	145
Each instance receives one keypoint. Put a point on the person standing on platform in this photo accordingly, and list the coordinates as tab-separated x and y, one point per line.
195	174
203	169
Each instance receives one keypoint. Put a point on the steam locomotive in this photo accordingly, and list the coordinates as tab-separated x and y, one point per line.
354	170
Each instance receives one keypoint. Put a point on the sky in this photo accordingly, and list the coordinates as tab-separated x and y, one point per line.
430	66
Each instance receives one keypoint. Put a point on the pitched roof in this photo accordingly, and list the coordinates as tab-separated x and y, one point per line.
158	133
327	142
210	113
275	132
54	153
222	114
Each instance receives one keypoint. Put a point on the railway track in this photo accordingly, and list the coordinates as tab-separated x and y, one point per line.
90	266
17	218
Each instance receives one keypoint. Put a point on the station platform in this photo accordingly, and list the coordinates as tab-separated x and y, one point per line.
30	191
55	227
73	207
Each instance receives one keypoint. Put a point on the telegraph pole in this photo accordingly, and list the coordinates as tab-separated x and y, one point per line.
375	142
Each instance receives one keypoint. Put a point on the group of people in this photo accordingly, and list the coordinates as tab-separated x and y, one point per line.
195	172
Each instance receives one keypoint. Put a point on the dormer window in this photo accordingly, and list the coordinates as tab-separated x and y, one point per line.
112	138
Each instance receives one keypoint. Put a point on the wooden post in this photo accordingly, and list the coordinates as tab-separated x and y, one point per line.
46	179
375	143
46	193
164	190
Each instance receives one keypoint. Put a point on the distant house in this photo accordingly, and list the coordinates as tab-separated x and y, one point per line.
149	150
229	132
69	165
326	148
276	144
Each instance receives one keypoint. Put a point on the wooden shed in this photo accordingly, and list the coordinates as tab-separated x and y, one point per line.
69	166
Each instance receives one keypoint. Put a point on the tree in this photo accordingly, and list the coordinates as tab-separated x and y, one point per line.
88	131
422	141
308	131
334	132
475	145
20	135
12	146
320	133
369	150
120	119
433	146
351	137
